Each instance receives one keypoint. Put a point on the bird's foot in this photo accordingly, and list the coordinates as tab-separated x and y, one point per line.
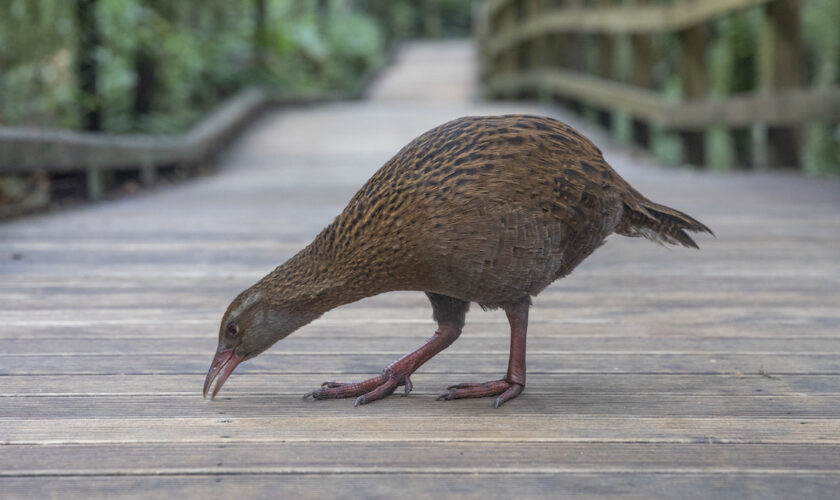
502	388
367	390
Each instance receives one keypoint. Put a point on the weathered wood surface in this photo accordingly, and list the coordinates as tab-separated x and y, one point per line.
653	372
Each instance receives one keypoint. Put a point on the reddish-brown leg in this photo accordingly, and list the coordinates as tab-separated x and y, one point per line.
393	376
448	312
514	382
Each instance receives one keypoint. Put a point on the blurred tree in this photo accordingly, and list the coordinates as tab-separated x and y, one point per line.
87	65
260	34
156	65
432	22
145	71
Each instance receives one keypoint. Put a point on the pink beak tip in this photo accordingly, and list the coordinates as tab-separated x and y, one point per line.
220	369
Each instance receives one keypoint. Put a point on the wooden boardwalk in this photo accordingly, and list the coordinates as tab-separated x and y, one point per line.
653	372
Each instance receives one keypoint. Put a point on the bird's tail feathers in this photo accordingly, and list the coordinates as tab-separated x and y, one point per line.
659	223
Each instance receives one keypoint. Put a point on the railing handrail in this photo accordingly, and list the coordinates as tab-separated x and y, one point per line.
622	19
736	110
527	47
25	149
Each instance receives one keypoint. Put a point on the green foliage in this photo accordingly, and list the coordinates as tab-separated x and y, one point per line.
320	53
739	36
421	18
36	62
822	45
163	63
199	54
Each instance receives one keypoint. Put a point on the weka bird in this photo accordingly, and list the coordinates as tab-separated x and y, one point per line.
487	209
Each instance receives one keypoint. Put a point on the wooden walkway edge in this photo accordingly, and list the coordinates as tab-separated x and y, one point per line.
653	372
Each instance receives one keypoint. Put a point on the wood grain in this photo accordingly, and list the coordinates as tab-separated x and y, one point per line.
449	457
479	486
472	421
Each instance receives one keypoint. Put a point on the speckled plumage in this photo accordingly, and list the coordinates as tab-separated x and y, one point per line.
485	209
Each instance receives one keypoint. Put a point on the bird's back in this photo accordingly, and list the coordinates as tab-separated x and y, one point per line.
486	209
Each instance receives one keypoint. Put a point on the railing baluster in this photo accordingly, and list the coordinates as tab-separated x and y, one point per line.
780	69
556	36
692	66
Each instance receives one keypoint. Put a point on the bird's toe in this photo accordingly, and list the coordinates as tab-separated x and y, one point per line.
502	388
408	386
365	391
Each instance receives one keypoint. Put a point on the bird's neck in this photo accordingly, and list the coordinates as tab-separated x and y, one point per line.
318	278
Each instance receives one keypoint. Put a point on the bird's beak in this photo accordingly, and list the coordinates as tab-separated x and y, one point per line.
224	363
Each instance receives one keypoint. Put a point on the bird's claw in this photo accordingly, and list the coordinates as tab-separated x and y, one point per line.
502	388
311	394
365	391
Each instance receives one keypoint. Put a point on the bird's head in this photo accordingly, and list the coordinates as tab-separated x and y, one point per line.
251	324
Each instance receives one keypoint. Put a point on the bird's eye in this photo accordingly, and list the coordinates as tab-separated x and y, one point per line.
232	330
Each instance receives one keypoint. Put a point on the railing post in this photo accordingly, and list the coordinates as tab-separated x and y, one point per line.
148	174
641	75
540	45
508	62
483	29
571	51
604	65
576	48
780	69
694	86
95	182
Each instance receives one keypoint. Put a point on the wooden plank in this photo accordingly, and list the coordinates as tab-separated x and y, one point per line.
484	364
442	457
492	341
479	486
394	420
269	254
146	296
563	321
578	384
423	405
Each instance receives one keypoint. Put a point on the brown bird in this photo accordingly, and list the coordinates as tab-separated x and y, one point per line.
488	209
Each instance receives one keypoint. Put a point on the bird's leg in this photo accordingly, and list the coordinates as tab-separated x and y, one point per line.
449	313
514	382
394	375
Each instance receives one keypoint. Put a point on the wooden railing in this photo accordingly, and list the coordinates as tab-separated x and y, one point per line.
40	151
539	48
51	151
